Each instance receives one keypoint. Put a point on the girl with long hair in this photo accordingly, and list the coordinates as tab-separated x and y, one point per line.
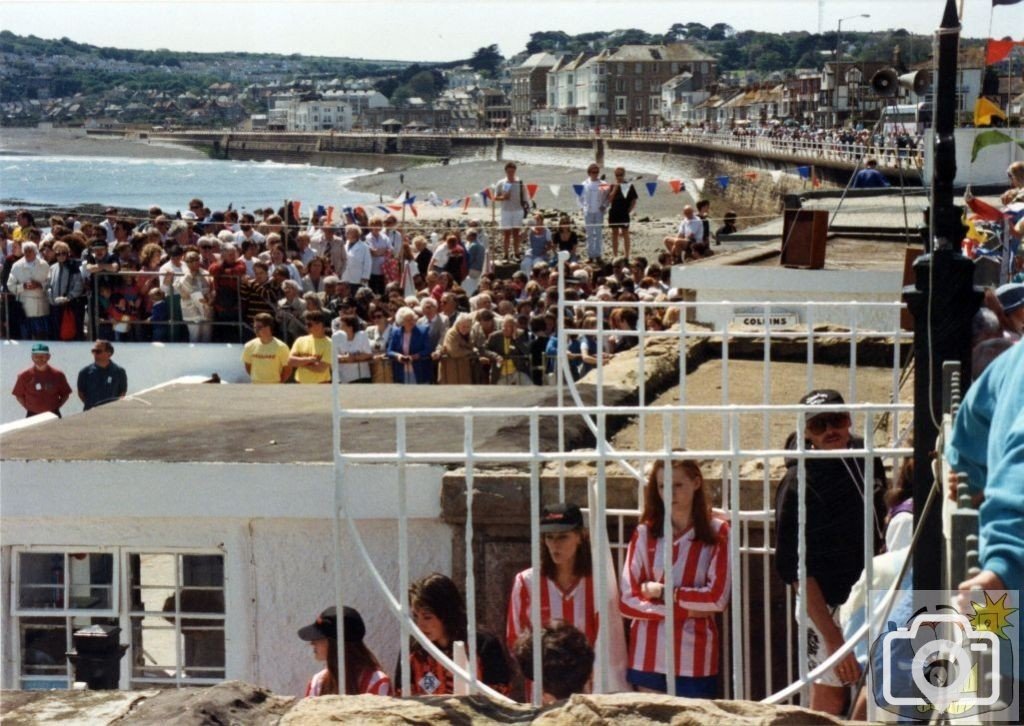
700	579
440	614
363	673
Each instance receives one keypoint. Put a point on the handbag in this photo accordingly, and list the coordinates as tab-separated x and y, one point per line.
524	200
67	324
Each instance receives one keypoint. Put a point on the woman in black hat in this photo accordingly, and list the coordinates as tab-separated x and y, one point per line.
363	673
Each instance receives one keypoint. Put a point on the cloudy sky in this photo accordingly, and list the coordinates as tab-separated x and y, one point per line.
450	29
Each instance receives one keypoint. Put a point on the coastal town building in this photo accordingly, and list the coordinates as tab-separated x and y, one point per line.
319	115
530	87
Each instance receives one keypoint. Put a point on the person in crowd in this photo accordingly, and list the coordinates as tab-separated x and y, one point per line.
422	254
313	280
690	235
566	589
41	388
459	359
700	583
510	192
28	282
704	215
435	325
359	261
195	289
311	353
409	350
728	227
476	260
1011	299
439	612
622	198
65	290
538	244
1015	173
354	351
380	249
332	248
594	202
567	660
869	177
379	333
511	352
103	381
227	275
835	492
363	673
566	239
265	357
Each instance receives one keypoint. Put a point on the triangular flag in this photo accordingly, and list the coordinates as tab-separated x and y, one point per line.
330	215
723	181
751	175
972	231
676	185
531	189
991	138
577	189
391	207
625	189
651	187
555	189
982	209
804	172
296	206
412	208
985	112
409	200
698	184
997	50
775	175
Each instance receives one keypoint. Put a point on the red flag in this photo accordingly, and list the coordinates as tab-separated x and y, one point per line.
296	206
984	210
531	189
676	185
751	175
395	207
330	215
997	50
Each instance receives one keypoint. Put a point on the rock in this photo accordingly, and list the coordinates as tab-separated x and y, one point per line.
398	712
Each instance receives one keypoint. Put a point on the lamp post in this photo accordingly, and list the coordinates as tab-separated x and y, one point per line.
839	57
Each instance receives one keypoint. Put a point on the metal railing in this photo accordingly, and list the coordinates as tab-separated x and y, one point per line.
745	503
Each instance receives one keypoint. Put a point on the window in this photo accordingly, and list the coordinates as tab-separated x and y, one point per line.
638	84
620	104
620	84
675	68
620	68
655	103
638	104
638	68
655	86
169	608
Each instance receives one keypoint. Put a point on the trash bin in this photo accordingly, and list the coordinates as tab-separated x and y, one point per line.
97	656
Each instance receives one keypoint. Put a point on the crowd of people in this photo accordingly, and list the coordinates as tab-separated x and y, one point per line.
411	306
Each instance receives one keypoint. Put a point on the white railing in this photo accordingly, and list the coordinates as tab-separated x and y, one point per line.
750	544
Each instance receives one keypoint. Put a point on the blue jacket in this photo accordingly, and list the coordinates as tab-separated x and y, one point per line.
988	445
423	368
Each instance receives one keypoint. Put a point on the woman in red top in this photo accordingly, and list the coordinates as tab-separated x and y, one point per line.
700	578
363	673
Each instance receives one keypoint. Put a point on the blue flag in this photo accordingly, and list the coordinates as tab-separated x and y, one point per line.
724	181
804	172
651	186
577	189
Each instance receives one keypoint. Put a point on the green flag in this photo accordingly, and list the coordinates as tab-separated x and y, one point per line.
991	138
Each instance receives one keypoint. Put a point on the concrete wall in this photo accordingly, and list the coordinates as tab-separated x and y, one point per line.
767	284
271	523
147	365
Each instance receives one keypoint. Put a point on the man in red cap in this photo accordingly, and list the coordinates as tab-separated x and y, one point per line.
41	388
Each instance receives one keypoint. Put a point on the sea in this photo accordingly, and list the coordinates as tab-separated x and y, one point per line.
170	183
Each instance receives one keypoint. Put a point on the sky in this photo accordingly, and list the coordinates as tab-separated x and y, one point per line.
441	30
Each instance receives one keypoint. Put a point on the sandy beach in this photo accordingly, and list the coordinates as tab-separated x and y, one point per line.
76	142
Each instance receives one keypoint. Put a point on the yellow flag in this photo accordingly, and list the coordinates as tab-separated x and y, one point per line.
985	111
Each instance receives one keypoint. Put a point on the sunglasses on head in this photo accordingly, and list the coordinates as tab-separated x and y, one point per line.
822	422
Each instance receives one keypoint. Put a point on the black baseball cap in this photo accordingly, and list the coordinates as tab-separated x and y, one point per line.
561	517
326	626
822	397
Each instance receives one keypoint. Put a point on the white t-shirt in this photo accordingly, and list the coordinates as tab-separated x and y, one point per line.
348	372
694	227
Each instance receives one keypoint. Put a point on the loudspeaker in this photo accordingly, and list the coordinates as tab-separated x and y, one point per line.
885	82
918	81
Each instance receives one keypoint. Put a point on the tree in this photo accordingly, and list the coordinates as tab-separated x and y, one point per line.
697	31
422	84
720	31
487	60
675	33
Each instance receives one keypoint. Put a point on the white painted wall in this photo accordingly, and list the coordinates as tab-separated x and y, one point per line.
989	167
147	365
746	285
272	523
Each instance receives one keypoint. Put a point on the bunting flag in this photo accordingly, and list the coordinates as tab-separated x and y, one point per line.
991	138
698	184
972	230
296	206
531	190
556	189
349	215
1004	2
997	50
775	175
751	175
982	209
626	189
723	181
804	172
676	185
985	112
390	208
330	215
577	189
651	187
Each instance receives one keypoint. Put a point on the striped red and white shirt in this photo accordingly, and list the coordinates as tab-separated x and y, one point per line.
700	574
375	683
576	607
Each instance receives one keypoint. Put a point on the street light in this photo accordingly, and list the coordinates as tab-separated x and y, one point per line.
839	56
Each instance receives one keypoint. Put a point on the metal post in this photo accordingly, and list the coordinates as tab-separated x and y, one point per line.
943	302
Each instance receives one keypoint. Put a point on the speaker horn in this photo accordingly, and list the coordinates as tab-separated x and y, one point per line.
917	81
885	82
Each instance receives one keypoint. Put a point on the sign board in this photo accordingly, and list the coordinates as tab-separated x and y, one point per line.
758	320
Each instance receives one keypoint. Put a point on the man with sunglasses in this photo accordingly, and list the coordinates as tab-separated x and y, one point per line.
834	535
103	381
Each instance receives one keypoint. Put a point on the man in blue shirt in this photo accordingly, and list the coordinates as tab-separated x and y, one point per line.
103	380
869	177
